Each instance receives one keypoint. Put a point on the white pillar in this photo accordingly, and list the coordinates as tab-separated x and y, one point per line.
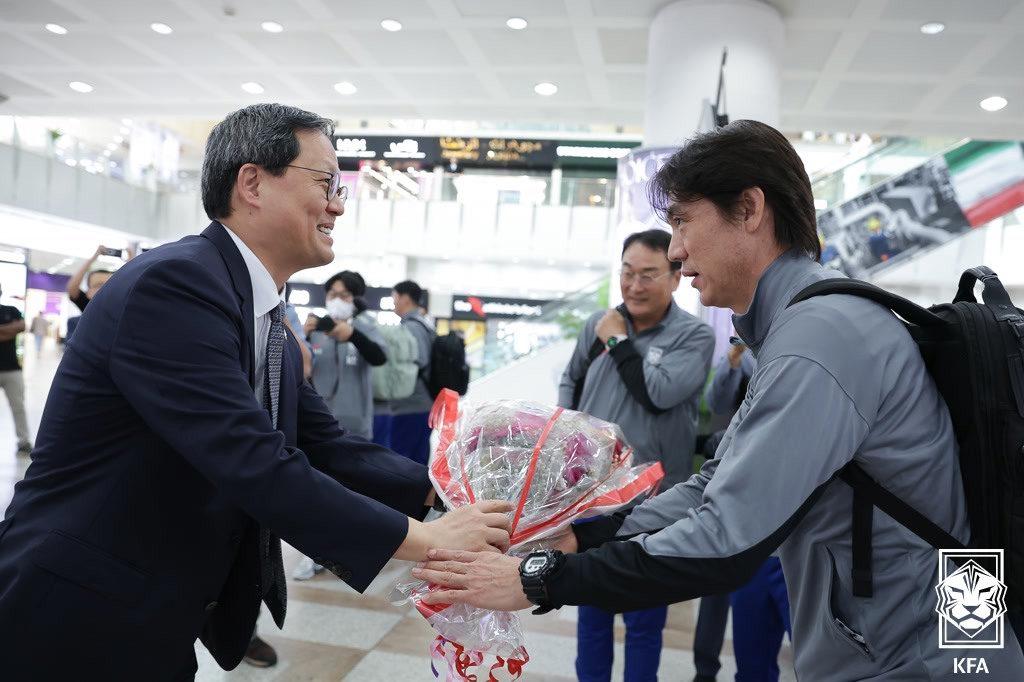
555	195
684	51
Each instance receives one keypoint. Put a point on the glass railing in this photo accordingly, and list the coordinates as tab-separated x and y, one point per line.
559	320
879	163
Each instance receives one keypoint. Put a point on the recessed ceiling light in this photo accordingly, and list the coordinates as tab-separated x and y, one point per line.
391	25
272	27
546	89
933	27
79	86
56	28
162	29
516	23
345	88
107	152
118	139
253	88
993	103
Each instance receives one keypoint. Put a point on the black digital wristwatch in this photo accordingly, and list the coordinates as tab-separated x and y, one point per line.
534	571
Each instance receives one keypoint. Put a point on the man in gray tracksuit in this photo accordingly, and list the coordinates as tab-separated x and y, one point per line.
838	379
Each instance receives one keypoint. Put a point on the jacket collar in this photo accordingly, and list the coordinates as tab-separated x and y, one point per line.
784	278
242	283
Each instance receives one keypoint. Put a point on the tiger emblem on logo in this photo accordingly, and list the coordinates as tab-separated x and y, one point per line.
971	598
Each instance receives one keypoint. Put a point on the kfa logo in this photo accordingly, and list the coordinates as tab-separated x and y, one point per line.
972	599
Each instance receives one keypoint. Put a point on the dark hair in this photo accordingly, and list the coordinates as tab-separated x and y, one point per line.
353	283
410	289
655	240
263	134
88	279
718	165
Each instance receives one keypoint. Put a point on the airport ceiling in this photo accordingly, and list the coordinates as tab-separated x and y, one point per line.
848	65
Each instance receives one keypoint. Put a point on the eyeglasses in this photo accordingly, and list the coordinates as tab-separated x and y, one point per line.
334	190
627	277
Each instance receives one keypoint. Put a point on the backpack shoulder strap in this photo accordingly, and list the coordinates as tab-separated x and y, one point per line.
867	494
908	310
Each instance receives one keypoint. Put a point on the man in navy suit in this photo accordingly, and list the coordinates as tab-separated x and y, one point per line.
179	441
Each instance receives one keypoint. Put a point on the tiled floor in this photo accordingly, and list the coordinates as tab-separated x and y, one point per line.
333	633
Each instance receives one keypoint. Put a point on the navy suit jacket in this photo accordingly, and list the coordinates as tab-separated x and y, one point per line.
135	529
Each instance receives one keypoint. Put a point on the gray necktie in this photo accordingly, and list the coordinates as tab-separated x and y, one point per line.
271	563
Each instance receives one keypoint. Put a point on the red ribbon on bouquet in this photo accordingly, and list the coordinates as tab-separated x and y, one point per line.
459	661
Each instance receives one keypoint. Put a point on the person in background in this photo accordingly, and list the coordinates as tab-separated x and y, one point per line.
641	366
95	280
40	326
11	379
346	344
761	607
410	434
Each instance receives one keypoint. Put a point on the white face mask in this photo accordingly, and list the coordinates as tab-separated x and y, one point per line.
340	309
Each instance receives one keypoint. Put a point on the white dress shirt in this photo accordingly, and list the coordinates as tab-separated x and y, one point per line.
265	297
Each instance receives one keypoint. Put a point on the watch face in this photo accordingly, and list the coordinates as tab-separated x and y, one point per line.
534	565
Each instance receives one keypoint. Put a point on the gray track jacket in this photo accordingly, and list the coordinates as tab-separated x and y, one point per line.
838	378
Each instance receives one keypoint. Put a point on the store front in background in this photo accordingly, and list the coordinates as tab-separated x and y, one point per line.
497	330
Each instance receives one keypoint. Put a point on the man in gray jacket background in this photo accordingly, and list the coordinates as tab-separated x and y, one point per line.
641	366
839	379
410	434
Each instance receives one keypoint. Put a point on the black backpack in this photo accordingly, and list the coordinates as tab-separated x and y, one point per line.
448	368
975	353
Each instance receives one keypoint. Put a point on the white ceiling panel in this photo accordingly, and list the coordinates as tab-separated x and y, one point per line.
539	46
37	11
12	87
948	11
411	48
300	48
624	45
15	52
144	12
848	65
804	47
80	48
627	88
876	97
528	9
897	52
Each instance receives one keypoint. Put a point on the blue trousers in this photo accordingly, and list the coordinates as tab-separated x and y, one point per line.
595	641
410	436
760	617
382	430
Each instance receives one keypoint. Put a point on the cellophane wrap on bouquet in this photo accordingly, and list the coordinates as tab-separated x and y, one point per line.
555	466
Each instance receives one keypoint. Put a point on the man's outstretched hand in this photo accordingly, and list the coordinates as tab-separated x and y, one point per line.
484	579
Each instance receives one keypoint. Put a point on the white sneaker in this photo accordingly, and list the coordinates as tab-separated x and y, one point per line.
306	569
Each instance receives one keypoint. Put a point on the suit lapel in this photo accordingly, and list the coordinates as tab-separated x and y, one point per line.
242	283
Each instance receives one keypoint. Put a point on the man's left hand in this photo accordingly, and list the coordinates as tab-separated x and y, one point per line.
610	325
486	580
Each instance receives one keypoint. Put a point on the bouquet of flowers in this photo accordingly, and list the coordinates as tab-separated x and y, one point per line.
554	465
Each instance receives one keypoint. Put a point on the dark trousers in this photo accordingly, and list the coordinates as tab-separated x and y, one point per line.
707	639
760	617
382	430
595	642
410	436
